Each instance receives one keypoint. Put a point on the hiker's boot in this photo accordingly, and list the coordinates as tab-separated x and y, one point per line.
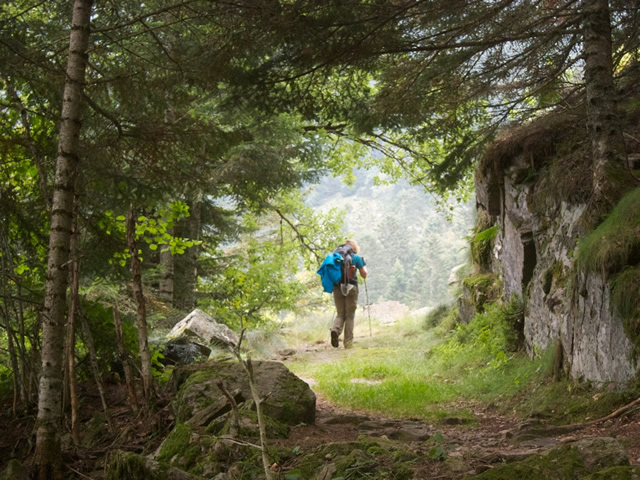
334	339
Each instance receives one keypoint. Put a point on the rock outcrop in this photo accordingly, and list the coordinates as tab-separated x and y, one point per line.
534	186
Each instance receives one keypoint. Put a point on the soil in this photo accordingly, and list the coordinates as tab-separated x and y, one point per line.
491	439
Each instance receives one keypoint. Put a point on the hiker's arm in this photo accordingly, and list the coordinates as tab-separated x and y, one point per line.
363	271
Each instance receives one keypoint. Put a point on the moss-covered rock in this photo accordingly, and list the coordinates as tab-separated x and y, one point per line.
14	471
568	462
365	458
616	473
136	467
288	399
482	288
248	425
182	447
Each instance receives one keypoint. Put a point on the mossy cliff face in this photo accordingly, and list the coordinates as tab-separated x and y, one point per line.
537	193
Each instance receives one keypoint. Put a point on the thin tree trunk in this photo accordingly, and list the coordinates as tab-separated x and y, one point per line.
95	368
141	314
166	281
124	358
186	266
609	157
23	357
17	352
17	389
48	459
71	333
248	366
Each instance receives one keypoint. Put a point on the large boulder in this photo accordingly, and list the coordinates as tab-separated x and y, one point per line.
199	325
286	398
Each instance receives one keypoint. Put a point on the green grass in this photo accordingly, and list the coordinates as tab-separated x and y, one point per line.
612	245
405	371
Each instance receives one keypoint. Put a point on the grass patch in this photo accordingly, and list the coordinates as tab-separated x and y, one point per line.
616	241
405	371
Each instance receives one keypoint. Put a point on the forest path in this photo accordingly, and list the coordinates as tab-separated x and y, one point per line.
492	438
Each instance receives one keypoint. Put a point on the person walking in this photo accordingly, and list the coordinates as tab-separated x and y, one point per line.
345	296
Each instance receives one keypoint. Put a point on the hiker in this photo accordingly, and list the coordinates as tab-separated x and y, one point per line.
345	294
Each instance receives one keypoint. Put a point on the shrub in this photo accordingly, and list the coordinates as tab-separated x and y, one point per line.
435	316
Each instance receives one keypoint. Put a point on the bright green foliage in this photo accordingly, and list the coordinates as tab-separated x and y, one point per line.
260	275
488	340
481	244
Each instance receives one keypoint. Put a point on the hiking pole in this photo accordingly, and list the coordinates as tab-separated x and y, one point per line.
366	294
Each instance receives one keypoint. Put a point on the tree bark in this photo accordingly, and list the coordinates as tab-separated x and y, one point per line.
607	140
48	459
141	314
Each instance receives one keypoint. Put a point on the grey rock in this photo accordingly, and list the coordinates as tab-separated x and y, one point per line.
285	397
534	255
202	326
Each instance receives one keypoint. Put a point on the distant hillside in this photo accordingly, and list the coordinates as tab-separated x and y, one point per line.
409	246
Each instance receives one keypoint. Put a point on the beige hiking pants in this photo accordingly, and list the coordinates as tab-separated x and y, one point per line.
345	313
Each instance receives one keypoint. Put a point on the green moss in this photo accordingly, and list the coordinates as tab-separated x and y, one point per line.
559	464
616	473
132	467
483	288
616	242
248	425
373	458
625	297
178	447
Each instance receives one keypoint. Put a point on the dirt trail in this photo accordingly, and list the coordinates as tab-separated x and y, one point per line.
492	438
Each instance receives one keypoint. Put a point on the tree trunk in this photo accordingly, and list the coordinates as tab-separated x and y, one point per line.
124	358
166	281
608	149
48	459
71	335
141	314
17	389
186	266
